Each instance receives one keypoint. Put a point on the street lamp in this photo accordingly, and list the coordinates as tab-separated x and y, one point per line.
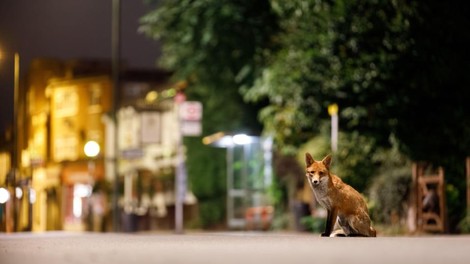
91	149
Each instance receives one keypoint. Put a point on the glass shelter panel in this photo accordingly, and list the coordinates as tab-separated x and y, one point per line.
249	175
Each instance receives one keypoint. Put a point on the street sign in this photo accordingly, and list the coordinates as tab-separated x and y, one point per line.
190	115
191	128
129	154
191	111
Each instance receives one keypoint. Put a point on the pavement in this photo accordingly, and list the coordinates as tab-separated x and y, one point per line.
229	247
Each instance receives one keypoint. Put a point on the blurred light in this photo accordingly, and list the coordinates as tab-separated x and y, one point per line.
82	190
213	138
333	109
92	149
4	195
169	93
219	141
25	158
32	196
181	85
242	139
19	192
151	96
77	206
225	141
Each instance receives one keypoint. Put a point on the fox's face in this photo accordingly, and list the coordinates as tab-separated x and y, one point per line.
317	171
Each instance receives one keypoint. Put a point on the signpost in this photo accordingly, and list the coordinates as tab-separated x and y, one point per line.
190	113
189	118
333	112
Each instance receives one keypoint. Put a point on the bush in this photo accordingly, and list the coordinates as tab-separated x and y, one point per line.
207	179
389	191
211	213
313	224
464	224
388	194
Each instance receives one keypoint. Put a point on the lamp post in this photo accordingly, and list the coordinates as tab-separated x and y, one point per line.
116	57
16	76
12	174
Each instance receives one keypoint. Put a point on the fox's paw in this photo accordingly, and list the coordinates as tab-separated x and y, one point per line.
338	233
325	235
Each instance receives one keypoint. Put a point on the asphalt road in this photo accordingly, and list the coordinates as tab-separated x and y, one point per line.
59	247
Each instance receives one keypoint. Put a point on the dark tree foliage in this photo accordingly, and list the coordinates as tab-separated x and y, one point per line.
395	68
214	45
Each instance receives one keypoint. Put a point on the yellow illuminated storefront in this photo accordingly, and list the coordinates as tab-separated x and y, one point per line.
64	115
77	109
67	106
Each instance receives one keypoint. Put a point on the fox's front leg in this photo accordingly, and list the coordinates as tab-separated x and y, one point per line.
330	222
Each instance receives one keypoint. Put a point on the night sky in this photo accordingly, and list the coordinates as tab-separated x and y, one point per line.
66	29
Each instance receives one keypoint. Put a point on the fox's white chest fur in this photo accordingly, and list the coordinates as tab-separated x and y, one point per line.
321	193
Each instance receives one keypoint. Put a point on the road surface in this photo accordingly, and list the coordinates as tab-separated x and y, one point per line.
223	248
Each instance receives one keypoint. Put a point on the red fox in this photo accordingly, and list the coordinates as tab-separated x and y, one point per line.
340	200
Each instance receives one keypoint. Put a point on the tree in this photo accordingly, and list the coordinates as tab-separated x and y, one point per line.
396	68
216	45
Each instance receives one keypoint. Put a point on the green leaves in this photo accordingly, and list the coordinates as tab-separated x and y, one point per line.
211	39
395	68
374	58
217	46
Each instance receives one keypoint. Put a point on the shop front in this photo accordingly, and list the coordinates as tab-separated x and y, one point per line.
45	199
78	196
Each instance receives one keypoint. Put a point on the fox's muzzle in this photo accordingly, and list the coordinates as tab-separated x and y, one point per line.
313	178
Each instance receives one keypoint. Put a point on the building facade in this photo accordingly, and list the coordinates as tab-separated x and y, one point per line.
67	104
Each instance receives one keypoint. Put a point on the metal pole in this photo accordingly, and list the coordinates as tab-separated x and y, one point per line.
15	156
15	111
180	182
333	112
229	158
334	132
467	168
115	43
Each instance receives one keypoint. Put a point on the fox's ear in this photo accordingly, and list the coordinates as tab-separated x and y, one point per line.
327	161
308	159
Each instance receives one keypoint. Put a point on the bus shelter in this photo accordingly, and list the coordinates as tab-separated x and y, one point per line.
249	177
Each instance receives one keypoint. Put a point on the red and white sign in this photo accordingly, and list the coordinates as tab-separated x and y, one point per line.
191	111
191	128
